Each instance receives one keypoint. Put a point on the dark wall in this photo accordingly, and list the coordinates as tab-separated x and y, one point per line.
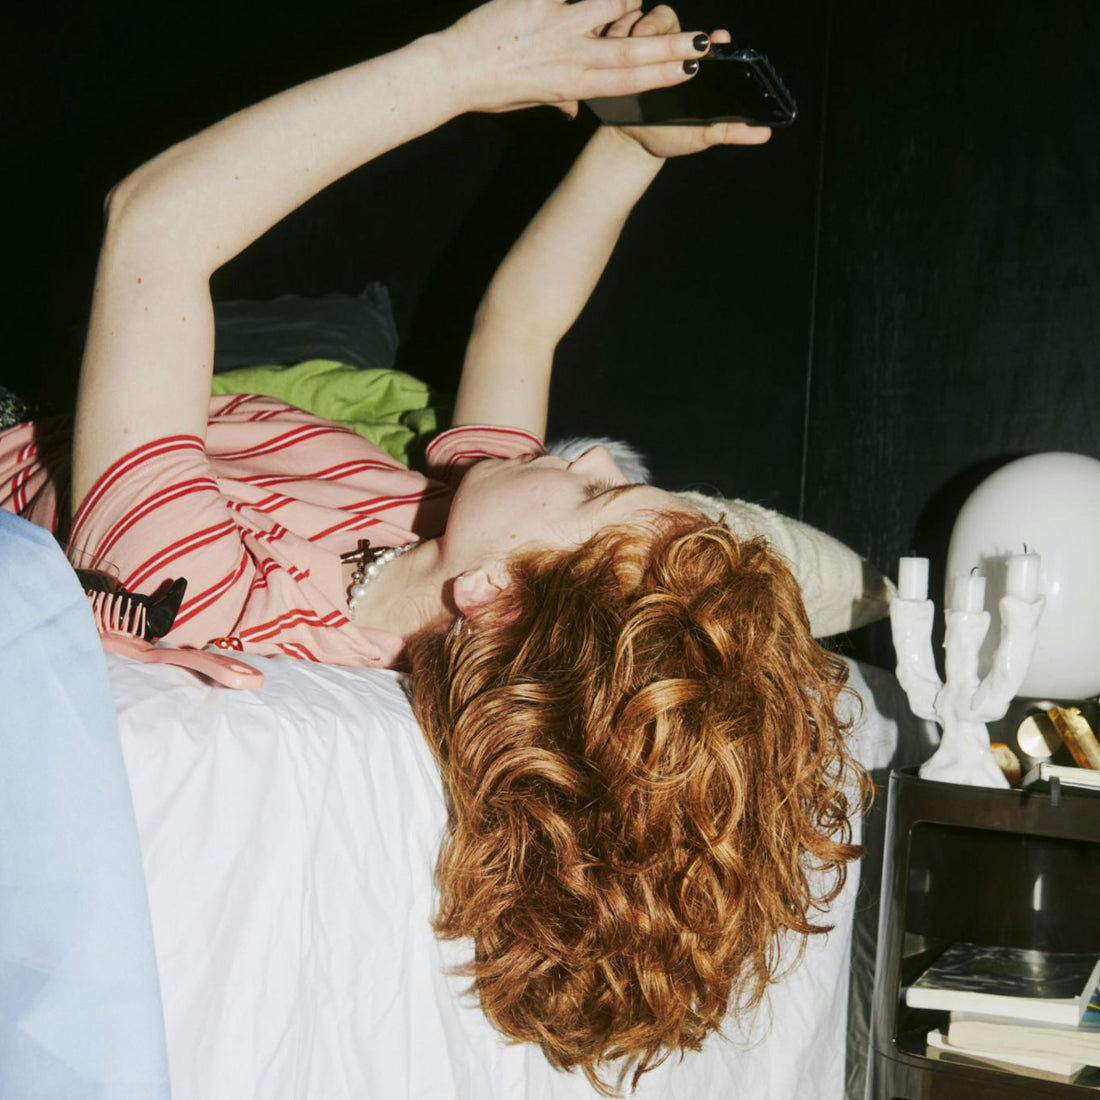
849	324
958	304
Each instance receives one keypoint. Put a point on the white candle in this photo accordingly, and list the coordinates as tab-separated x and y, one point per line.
968	593
913	578
1023	576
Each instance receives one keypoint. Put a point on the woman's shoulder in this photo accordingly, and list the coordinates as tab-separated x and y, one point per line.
451	452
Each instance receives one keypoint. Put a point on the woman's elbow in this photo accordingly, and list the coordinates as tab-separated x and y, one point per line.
126	196
143	217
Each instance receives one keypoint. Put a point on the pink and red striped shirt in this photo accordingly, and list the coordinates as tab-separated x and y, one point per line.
255	519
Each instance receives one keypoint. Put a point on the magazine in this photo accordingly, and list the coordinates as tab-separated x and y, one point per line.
1043	986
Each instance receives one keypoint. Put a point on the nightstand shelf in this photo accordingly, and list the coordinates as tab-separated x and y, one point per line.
985	866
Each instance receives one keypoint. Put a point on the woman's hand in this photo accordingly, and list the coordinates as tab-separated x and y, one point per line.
520	53
675	141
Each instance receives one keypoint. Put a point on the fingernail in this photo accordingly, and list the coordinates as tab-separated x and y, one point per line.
691	67
701	42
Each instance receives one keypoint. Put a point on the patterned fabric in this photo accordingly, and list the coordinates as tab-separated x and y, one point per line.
255	520
12	408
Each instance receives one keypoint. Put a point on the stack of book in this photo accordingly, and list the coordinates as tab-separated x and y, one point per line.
1016	1007
1077	735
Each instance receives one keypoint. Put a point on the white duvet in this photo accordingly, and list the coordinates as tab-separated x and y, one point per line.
288	838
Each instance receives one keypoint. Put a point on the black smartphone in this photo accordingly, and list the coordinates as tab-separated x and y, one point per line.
732	85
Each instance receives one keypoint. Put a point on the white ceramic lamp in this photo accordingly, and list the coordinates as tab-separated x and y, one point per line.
1049	503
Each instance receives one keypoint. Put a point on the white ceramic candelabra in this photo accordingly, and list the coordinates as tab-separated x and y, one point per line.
963	702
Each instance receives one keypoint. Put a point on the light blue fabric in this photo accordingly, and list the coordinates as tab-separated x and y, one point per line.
80	1009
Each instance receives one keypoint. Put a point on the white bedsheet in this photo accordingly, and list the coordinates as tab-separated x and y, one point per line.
288	838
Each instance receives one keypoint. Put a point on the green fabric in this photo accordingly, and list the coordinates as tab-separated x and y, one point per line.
390	408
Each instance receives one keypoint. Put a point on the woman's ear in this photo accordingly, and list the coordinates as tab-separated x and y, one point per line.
477	589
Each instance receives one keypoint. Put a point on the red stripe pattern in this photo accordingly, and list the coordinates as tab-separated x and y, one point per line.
34	465
256	519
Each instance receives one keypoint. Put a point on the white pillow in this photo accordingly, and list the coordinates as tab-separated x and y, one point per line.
841	590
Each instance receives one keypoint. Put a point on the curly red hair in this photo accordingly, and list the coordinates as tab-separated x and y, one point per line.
648	785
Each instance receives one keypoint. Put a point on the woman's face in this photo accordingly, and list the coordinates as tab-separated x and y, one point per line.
504	505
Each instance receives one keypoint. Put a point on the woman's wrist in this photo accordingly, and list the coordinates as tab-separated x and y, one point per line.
618	137
440	60
477	71
623	163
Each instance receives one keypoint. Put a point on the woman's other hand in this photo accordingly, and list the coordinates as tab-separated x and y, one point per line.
521	53
675	141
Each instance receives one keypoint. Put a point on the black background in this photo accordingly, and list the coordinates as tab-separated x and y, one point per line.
853	324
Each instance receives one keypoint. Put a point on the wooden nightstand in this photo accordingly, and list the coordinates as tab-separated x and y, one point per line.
985	866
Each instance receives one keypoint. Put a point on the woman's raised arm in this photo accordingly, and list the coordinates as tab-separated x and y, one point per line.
547	277
543	283
173	222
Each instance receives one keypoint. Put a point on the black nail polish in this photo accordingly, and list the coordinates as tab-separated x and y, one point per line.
701	42
691	66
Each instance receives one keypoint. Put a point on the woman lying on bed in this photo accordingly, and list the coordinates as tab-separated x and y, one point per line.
634	725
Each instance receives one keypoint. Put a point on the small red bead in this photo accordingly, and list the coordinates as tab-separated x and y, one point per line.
228	643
